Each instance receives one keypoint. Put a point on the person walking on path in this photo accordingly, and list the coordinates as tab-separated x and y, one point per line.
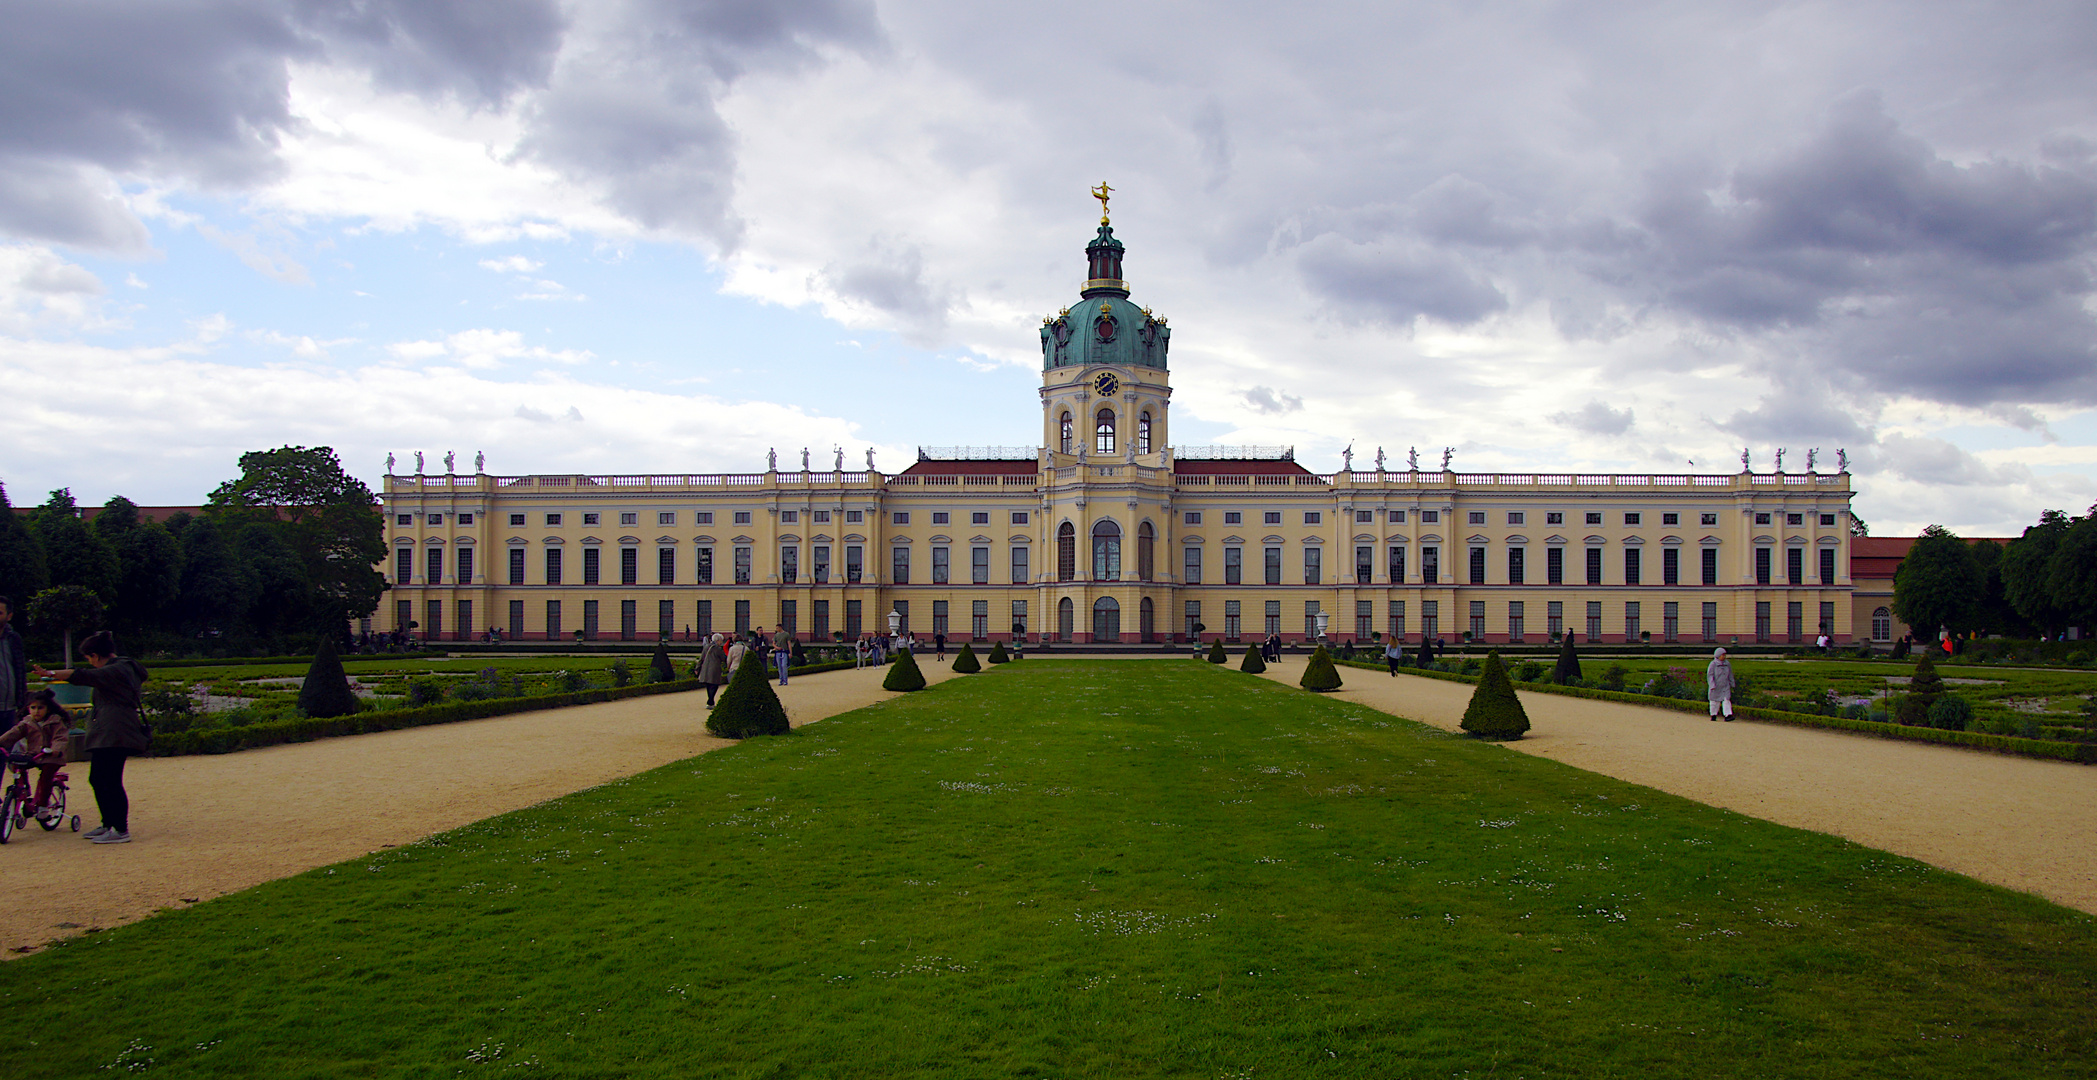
1718	685
782	652
116	732
737	649
939	641
14	667
713	667
1393	655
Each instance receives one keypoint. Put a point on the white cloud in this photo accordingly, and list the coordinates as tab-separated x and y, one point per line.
302	346
485	348
515	264
39	289
135	281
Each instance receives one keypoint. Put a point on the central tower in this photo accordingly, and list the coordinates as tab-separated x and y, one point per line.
1105	391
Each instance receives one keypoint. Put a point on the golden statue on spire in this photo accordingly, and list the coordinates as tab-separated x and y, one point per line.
1101	192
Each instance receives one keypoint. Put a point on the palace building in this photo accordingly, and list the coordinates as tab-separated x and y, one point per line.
1106	532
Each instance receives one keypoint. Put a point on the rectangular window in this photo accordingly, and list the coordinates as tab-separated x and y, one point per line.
902	610
1192	517
742	616
553	566
1273	566
517	620
630	519
593	557
516	519
742	565
1761	566
1795	622
666	565
1231	615
1430	619
1190	565
1232	517
1233	566
1365	517
1554	618
629	566
589	627
1671	519
516	566
1594	620
1634	519
1761	620
979	565
1825	519
1431	565
1312	517
1710	617
1827	566
1019	517
742	517
789	564
819	558
1554	566
670	517
436	519
1708	572
1554	518
1707	519
1190	624
1364	564
1397	566
1476	517
666	619
790	517
979	619
853	571
1631	630
553	521
706	517
706	565
1398	620
704	625
404	565
819	619
1670	622
553	619
1430	517
1827	617
1020	572
1477	567
941	517
819	517
1019	620
1631	565
855	517
1795	566
1364	619
899	566
629	620
1594	566
1477	630
434	631
1310	619
1515	570
1671	566
940	566
1397	517
1594	519
1273	617
1271	517
1761	519
939	617
852	620
1789	519
1313	565
981	517
902	517
1514	517
789	616
405	520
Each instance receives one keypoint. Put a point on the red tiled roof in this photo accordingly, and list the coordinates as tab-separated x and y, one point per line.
973	468
1880	556
1264	467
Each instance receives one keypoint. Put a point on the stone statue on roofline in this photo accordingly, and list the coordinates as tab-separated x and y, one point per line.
870	459
1780	459
1412	458
1812	458
804	459
389	463
418	463
480	461
1745	453
1347	459
450	456
1379	459
771	459
1447	453
840	466
1842	460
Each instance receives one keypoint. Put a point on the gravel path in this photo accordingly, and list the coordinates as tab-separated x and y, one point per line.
2023	823
204	826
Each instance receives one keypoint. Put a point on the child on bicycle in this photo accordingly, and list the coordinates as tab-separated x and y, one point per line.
44	732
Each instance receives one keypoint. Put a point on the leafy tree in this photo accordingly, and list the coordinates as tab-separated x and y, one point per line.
965	662
903	675
1858	526
22	569
326	691
1216	653
67	607
215	585
282	600
1320	676
2026	569
1567	670
73	554
1938	584
1253	661
659	667
749	706
327	517
2071	574
1495	712
1993	612
149	566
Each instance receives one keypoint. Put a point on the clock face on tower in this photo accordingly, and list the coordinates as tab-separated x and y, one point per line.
1104	384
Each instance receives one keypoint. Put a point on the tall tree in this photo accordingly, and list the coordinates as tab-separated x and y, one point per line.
2027	565
1938	584
73	554
327	517
1993	612
22	570
2071	573
215	586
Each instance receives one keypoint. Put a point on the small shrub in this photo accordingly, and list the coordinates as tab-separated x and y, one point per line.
2079	658
1253	662
424	692
476	691
659	667
749	706
1529	671
1855	712
998	655
1613	677
168	707
1320	676
1495	712
326	691
903	675
622	673
1471	666
571	681
965	662
1951	713
1216	655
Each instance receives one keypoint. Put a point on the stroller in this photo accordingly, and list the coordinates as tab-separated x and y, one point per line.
18	804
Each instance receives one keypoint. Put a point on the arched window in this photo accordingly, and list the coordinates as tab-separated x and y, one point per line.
1146	621
1144	546
1067	552
1103	432
1106	619
1143	433
1066	618
1066	445
1881	624
1106	551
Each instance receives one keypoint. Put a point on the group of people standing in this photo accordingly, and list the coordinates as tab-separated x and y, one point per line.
36	726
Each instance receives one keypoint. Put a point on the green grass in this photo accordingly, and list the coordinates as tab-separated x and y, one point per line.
1066	869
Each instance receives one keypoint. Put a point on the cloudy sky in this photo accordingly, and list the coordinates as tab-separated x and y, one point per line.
664	235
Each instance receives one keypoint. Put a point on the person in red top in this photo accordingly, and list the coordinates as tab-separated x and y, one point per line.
44	732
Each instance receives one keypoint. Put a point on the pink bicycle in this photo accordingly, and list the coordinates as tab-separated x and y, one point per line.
18	804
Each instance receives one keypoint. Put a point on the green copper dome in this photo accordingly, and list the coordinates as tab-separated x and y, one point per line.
1104	327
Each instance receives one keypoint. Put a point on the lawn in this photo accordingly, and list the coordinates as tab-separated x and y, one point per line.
1110	869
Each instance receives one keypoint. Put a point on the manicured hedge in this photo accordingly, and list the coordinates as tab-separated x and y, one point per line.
237	661
2084	753
306	729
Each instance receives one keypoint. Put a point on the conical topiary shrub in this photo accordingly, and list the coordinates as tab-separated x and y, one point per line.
965	662
903	674
749	706
326	691
998	654
1567	670
1252	662
1320	675
659	667
1216	655
1495	712
1924	688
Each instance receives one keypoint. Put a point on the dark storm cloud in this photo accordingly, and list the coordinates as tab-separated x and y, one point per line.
891	277
1595	418
1394	283
481	50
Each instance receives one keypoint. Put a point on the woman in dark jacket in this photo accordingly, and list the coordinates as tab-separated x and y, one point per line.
116	732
